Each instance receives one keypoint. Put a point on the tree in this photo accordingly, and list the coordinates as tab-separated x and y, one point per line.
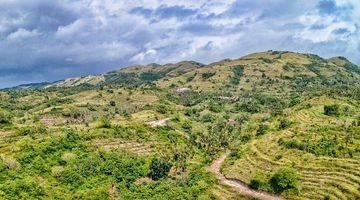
284	179
159	168
331	110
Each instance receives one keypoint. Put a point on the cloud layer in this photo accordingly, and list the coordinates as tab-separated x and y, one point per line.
46	40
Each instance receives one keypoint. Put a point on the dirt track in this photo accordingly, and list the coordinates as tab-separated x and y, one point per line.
161	122
236	185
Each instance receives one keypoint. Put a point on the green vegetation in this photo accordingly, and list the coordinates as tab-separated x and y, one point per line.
5	117
207	75
159	168
291	122
284	179
238	73
331	110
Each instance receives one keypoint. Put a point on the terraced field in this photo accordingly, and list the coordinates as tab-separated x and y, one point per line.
320	176
131	146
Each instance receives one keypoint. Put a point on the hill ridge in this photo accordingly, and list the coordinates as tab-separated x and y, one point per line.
171	70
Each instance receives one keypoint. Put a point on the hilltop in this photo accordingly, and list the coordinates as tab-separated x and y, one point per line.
271	65
284	124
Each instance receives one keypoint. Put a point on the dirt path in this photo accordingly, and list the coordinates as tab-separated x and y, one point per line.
238	185
161	122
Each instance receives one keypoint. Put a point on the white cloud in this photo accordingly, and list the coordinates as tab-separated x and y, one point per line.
142	56
22	34
71	29
87	36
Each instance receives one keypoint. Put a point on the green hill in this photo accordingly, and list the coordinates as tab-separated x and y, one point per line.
291	122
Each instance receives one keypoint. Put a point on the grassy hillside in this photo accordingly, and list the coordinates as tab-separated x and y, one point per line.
150	132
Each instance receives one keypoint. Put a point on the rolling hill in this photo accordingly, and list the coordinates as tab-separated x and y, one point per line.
288	122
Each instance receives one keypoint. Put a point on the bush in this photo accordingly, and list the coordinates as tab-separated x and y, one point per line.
331	110
284	124
215	107
32	130
263	128
284	179
161	108
186	125
248	106
104	123
159	168
192	112
5	117
292	144
190	78
112	103
259	181
207	75
71	177
208	118
22	188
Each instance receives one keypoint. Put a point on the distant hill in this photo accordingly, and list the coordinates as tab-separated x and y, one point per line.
30	86
278	66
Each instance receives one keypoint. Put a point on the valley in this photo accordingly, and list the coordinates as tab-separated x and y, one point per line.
269	125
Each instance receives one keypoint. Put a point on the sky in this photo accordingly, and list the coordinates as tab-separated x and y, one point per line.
48	40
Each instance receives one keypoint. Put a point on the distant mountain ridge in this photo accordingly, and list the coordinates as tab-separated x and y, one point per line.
138	74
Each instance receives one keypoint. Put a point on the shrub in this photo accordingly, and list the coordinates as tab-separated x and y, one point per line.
188	98
259	181
208	118
263	128
162	109
159	168
248	106
5	117
242	118
237	154
284	179
215	107
238	73
190	112
246	137
207	75
112	103
126	114
292	144
238	70
32	130
22	188
284	124
186	125
104	123
71	177
331	110
190	78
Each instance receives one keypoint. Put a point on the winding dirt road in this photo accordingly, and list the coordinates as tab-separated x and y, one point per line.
237	185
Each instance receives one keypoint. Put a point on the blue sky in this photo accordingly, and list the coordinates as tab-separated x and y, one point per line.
47	40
